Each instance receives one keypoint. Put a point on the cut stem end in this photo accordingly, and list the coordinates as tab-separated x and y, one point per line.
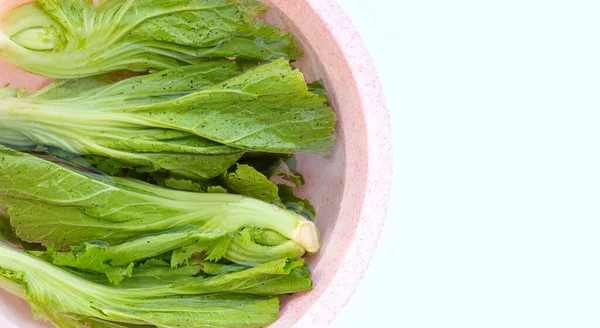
307	235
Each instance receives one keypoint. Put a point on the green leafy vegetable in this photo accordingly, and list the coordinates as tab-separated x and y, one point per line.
268	108
160	122
58	206
68	300
66	39
75	120
117	261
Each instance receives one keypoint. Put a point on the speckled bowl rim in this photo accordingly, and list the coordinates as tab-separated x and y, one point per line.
379	173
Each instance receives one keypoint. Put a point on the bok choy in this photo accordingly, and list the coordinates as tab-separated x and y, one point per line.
152	182
67	39
156	295
196	125
128	220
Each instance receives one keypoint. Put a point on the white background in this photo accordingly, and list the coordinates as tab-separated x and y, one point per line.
494	220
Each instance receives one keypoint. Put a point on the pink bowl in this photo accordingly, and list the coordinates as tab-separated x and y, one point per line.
350	191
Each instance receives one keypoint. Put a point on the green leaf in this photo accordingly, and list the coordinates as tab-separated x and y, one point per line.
112	141
268	108
6	231
317	87
8	236
282	170
217	269
183	255
66	39
274	165
274	278
150	123
246	64
245	180
296	204
150	274
181	184
94	258
218	248
216	189
67	300
59	206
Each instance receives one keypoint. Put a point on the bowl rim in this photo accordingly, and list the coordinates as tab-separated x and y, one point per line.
379	173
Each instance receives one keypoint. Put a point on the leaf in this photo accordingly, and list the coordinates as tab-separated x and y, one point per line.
181	184
62	207
94	258
6	232
183	255
274	165
245	180
112	141
317	87
192	134
216	190
274	278
66	39
296	204
217	269
8	236
268	108
282	170
146	276
218	248
246	64
67	300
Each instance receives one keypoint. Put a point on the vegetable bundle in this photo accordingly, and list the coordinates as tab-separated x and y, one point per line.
152	183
